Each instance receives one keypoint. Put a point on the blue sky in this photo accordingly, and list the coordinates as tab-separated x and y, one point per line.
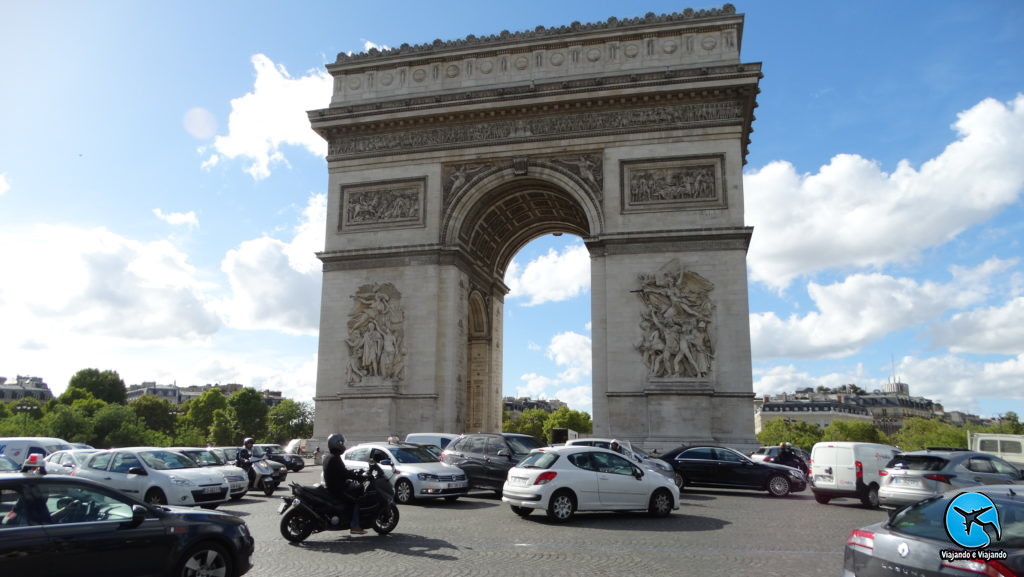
162	195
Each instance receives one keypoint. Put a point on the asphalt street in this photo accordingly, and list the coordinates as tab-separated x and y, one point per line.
715	532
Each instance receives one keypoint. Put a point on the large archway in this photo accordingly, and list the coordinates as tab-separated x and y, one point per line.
445	160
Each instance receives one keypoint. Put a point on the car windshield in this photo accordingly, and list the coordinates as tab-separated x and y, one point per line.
917	463
538	460
927	519
522	444
7	464
166	460
413	455
204	458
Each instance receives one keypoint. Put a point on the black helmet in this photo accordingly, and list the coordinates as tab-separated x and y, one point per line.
248	441
336	444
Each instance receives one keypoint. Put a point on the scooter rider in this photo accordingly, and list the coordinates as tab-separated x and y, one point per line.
340	482
244	458
789	457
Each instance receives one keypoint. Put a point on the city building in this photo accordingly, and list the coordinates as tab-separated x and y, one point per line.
22	387
515	406
177	395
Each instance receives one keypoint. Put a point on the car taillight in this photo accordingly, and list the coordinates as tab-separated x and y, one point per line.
883	473
860	469
939	477
767	459
545	477
860	538
810	462
989	568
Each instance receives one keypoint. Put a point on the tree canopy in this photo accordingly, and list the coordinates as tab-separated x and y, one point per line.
104	385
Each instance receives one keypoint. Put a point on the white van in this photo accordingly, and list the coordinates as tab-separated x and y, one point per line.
848	469
1006	447
19	448
439	439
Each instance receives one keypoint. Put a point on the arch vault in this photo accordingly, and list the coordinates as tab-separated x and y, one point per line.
445	159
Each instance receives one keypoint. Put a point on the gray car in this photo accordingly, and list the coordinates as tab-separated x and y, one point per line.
911	543
915	475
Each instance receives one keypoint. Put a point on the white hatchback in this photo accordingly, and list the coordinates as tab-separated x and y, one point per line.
563	480
157	476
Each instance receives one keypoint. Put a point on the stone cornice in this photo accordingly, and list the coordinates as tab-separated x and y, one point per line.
712	239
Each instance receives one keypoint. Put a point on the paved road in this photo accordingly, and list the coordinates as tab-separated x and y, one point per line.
716	532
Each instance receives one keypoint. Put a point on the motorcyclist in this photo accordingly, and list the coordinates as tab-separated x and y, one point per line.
244	458
789	457
341	483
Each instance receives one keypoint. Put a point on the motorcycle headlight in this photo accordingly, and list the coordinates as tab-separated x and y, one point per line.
426	477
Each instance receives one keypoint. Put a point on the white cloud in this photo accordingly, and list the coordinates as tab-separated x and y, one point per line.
200	123
275	284
553	277
957	383
271	116
571	352
178	218
998	330
5	185
863	308
852	214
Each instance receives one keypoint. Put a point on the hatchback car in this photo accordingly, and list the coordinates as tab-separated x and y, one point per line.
157	476
237	478
638	456
912	541
487	457
64	462
566	479
915	475
415	472
60	526
712	466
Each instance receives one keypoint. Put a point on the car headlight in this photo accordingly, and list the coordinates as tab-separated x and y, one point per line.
798	475
426	477
180	481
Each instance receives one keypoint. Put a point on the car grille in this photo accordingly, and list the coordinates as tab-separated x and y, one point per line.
234	478
451	477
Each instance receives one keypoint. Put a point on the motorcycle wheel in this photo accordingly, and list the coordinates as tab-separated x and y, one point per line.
269	488
296	525
386	520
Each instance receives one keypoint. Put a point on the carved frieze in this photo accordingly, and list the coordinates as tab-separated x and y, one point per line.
376	336
683	183
587	169
388	204
676	323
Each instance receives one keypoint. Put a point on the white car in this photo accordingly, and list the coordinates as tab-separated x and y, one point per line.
237	478
157	476
566	479
66	461
649	462
415	472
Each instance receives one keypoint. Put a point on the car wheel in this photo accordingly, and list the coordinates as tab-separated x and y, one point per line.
870	498
522	511
296	525
778	486
155	497
822	499
661	503
205	559
386	520
561	507
404	493
680	480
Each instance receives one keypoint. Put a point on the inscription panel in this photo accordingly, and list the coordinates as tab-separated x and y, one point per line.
680	183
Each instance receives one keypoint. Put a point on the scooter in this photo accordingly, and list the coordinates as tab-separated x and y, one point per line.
261	474
312	509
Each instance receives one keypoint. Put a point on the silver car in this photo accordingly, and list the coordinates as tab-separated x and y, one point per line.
915	475
415	472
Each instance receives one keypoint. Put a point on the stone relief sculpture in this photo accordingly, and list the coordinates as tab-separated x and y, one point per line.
675	183
376	336
382	206
587	167
676	322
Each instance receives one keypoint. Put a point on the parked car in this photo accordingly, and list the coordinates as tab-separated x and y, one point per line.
7	464
714	466
848	469
916	475
63	526
910	543
415	472
769	454
566	479
65	462
157	476
653	464
487	457
441	440
18	448
275	452
237	478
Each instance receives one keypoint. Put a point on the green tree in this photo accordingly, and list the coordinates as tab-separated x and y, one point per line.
564	417
4	411
21	425
1008	424
853	431
917	433
529	422
68	423
188	435
156	413
116	426
104	385
89	406
199	411
250	412
222	431
799	433
290	420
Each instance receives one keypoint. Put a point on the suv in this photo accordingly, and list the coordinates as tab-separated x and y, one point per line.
915	475
487	457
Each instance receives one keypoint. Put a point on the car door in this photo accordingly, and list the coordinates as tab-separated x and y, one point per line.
92	530
617	482
983	470
468	455
584	481
24	544
696	464
119	476
495	465
734	470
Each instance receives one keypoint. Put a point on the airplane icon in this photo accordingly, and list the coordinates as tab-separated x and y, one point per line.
972	519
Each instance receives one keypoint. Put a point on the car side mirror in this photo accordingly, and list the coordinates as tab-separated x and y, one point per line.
504	453
638	473
137	471
138	516
386	462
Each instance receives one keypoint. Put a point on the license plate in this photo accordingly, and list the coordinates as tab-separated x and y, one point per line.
905	482
282	507
211	490
823	478
459	485
519	481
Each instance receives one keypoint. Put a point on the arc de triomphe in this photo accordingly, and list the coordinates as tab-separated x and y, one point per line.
445	159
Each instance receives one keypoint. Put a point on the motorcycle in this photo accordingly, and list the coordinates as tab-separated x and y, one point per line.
313	509
261	474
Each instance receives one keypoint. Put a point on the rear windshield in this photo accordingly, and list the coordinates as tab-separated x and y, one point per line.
538	460
917	463
928	519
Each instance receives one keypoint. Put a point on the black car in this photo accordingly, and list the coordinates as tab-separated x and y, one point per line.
57	525
712	466
274	452
487	457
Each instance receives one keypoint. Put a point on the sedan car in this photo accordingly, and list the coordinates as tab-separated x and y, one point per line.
712	466
276	453
65	526
237	478
487	457
915	475
157	476
649	462
415	472
64	462
566	479
913	541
